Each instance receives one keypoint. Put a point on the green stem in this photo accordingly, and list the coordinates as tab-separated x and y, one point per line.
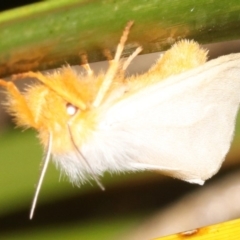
49	34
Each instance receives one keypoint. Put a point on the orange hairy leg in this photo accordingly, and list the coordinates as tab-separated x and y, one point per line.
111	73
130	58
61	86
85	64
18	105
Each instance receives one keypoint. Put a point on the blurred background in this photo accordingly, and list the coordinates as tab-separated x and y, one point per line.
134	206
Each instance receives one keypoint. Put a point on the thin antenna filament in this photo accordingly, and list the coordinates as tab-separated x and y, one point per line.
85	160
39	184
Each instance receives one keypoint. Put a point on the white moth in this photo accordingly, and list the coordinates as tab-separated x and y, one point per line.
178	118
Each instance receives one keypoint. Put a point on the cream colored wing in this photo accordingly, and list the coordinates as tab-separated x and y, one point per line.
182	126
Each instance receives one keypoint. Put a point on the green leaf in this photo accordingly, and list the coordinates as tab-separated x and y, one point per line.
48	34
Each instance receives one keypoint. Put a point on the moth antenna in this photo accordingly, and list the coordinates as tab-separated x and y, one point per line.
85	64
111	72
39	184
85	160
131	57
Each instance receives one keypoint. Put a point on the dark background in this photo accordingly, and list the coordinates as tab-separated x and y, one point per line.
14	4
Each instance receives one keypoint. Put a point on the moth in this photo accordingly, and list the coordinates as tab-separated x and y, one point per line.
178	118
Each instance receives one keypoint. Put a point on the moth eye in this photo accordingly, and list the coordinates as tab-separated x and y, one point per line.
71	109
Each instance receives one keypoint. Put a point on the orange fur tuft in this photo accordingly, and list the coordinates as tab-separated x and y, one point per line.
17	106
183	56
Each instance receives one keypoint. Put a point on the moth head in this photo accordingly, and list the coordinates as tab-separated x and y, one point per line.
58	101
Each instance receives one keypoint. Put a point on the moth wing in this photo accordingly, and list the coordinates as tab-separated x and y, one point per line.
182	126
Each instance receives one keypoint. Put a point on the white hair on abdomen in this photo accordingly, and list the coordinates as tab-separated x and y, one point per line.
102	155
